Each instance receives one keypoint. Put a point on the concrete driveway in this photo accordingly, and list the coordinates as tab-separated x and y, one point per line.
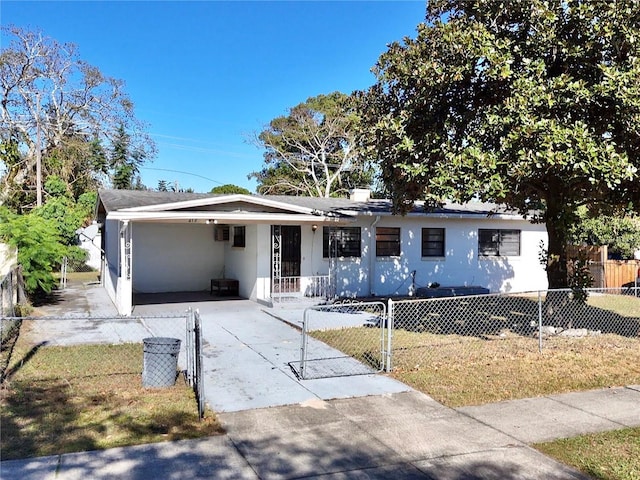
247	347
247	353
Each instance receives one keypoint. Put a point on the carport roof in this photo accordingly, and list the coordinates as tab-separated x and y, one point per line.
138	200
113	200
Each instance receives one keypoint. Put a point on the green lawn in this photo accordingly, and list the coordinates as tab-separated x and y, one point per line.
604	456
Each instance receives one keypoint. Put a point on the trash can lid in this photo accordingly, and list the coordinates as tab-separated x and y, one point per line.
161	340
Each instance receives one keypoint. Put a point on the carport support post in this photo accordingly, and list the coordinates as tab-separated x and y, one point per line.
124	290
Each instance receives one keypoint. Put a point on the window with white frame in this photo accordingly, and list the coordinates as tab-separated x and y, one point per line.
498	242
387	241
433	242
341	241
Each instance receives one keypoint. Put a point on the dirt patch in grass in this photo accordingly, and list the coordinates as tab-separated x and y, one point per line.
610	455
75	398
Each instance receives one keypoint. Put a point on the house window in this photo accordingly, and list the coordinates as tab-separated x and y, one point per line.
239	236
387	241
345	240
433	242
221	233
498	243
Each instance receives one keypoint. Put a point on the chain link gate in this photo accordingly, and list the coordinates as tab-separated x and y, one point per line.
343	339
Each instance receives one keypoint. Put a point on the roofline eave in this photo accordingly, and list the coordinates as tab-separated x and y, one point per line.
221	200
225	217
447	215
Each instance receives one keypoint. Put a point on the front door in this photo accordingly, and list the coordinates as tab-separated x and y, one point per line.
290	250
286	257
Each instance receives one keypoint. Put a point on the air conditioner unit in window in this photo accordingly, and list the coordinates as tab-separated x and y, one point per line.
221	233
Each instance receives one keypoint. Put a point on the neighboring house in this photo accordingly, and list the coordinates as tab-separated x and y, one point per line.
89	239
282	245
8	259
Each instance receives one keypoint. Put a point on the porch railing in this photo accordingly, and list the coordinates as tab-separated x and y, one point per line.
292	288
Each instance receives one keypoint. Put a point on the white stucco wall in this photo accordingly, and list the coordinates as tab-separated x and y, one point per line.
175	257
241	262
263	262
460	266
184	257
112	256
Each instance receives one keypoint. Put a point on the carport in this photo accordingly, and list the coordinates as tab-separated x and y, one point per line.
163	242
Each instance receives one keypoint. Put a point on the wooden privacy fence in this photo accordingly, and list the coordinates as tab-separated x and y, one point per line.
607	273
614	273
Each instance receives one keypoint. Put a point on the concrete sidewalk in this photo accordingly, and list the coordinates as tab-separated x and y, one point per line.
403	435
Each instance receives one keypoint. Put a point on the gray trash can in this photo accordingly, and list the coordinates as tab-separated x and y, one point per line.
160	361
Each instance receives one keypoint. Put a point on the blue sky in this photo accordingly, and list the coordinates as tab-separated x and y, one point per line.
206	76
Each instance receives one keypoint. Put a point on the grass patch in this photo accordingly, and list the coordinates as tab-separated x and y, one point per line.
482	349
610	455
459	370
66	399
80	277
623	305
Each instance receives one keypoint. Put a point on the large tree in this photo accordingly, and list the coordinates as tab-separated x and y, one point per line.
125	160
530	103
312	150
58	110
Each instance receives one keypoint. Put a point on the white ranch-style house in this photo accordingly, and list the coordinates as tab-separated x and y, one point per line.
265	248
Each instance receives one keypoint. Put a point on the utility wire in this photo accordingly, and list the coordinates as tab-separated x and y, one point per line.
184	173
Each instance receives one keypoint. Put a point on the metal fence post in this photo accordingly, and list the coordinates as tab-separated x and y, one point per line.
389	358
304	342
539	321
63	273
189	345
199	370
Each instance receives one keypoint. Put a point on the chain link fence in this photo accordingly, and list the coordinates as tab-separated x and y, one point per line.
12	296
84	383
120	350
450	330
354	338
76	270
356	332
12	293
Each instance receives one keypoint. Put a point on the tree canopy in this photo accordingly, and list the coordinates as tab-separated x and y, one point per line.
125	160
530	103
57	112
65	129
621	234
47	233
229	188
312	151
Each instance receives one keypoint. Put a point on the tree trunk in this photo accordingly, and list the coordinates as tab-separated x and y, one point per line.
556	223
558	304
